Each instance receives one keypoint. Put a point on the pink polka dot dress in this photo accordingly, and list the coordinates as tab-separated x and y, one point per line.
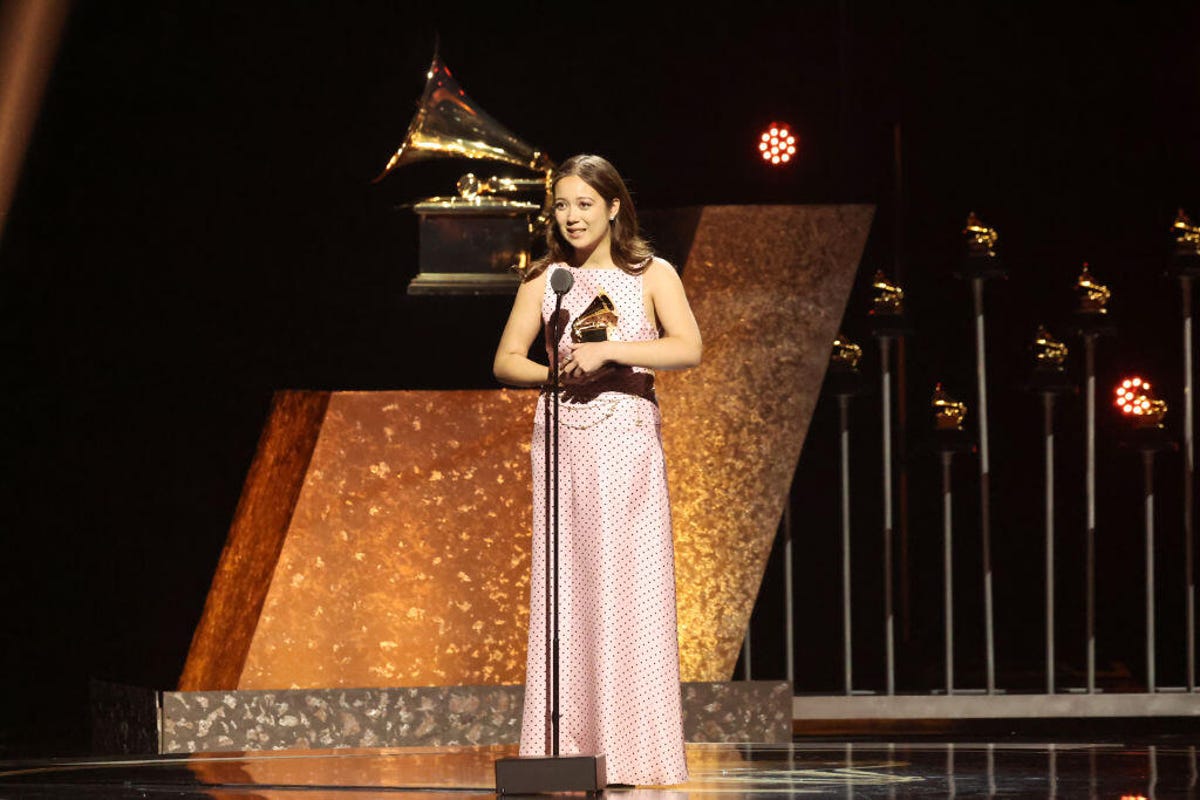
619	691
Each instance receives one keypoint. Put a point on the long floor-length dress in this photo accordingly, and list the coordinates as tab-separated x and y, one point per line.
619	690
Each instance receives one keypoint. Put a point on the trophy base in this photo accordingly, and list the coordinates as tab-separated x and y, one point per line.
1184	265
889	326
1148	440
953	441
981	266
1092	324
550	774
844	381
1049	380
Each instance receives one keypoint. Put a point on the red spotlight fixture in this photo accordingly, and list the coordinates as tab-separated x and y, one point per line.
1135	399
777	144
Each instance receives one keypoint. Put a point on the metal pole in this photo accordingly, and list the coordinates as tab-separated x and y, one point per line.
1090	491
889	628
1148	474
1048	428
948	570
984	492
1189	482
847	660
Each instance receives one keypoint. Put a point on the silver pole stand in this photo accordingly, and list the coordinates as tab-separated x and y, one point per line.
1048	432
1149	440
888	326
985	526
979	268
1187	271
1049	380
847	646
845	381
1090	490
948	569
948	443
888	620
1090	326
1148	476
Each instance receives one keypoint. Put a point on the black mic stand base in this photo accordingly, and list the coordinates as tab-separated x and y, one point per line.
549	774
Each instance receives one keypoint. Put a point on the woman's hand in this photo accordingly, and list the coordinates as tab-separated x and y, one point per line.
585	359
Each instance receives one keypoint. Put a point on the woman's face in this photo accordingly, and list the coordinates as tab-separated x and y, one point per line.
581	214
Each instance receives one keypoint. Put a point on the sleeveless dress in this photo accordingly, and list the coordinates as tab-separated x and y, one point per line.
619	689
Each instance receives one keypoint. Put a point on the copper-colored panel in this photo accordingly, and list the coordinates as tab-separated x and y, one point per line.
407	559
769	286
256	536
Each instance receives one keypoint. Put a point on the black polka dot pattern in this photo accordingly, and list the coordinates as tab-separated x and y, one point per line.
619	692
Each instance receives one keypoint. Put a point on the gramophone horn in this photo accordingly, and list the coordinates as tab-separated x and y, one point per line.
448	124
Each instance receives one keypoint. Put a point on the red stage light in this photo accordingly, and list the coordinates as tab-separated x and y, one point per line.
1135	399
777	144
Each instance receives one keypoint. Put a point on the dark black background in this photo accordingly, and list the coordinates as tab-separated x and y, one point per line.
196	227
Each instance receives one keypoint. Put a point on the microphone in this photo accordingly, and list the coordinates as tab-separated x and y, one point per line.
561	281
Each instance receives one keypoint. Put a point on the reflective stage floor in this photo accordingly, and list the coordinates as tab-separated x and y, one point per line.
757	771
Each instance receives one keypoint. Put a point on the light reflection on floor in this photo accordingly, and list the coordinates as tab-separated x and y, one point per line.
724	771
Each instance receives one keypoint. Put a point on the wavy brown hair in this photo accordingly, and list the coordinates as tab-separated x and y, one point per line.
630	251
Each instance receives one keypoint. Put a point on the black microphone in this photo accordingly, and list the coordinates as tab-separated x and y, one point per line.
561	281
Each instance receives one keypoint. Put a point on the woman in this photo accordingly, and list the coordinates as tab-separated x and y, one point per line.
619	689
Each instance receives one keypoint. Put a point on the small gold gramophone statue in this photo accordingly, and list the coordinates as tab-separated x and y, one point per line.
889	300
596	322
1094	296
948	413
471	243
1187	235
981	240
1136	401
845	353
1048	353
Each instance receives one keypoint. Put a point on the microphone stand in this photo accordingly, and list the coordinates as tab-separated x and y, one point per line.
536	774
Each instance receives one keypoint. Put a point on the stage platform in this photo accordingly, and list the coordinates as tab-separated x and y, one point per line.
798	769
131	720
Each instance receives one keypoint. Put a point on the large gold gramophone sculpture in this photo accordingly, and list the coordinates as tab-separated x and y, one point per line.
474	242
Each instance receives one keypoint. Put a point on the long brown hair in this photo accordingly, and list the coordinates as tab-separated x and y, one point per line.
630	251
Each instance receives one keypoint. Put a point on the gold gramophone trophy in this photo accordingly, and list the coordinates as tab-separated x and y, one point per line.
980	239
888	319
1049	364
846	353
889	298
1048	353
1184	261
948	413
473	242
979	250
1093	296
597	320
1187	235
844	378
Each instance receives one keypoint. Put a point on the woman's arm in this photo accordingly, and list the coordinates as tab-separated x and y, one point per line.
679	347
512	364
